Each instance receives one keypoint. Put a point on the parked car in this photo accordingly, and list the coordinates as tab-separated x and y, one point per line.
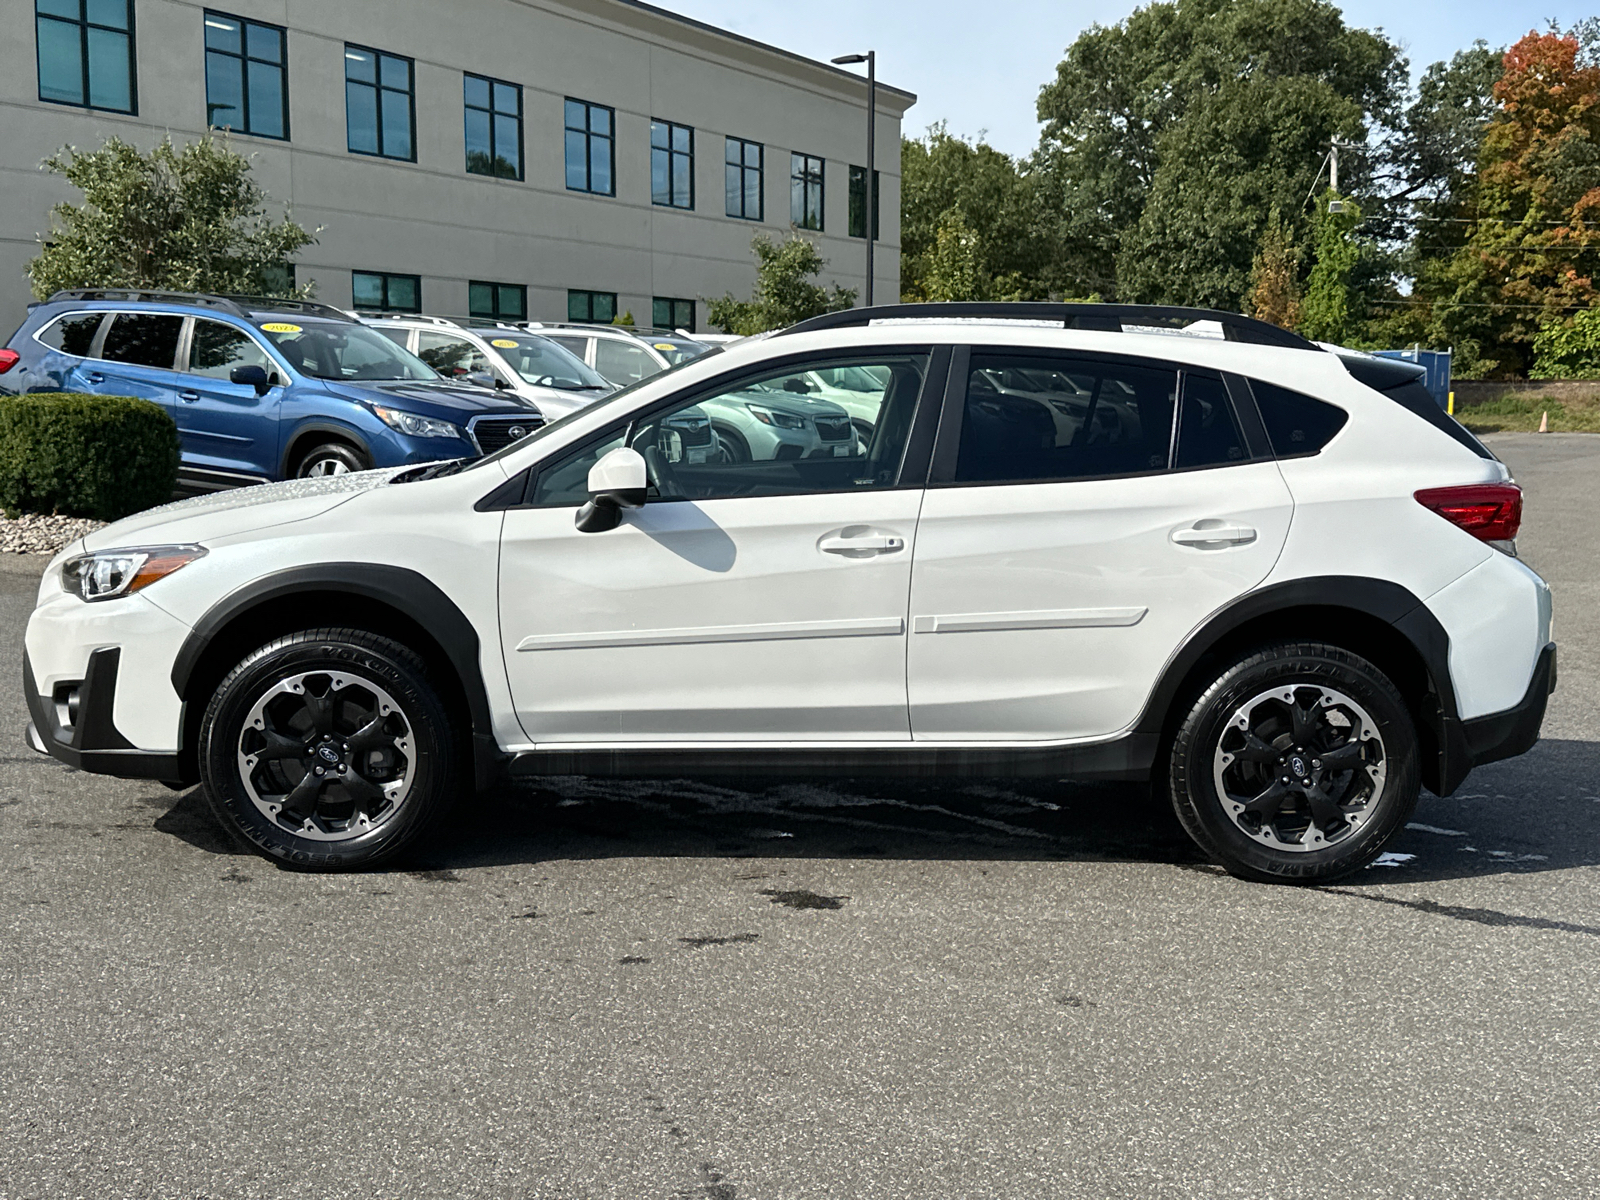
260	389
623	356
1277	582
498	355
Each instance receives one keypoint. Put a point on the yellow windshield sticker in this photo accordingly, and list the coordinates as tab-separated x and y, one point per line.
281	327
504	343
665	346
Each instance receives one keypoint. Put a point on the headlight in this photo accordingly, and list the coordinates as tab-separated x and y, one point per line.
412	425
769	416
109	573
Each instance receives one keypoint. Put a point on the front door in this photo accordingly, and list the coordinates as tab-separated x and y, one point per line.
1083	534
225	426
750	599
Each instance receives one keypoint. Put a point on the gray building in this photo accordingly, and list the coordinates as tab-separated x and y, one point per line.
550	158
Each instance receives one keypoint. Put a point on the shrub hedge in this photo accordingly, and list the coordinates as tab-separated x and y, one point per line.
85	456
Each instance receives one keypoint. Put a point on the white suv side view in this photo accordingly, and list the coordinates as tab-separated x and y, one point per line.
1274	580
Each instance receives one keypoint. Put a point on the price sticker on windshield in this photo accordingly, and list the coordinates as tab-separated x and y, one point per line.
281	327
665	346
504	343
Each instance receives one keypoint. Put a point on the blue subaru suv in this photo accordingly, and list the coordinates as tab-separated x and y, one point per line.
260	389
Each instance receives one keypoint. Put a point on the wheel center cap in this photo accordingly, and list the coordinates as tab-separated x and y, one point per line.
1298	766
328	753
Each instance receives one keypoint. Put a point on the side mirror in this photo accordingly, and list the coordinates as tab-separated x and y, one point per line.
618	481
254	375
484	379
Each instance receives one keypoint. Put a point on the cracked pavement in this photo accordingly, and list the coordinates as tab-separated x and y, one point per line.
696	991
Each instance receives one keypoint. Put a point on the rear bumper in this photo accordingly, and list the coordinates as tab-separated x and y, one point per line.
1500	735
91	742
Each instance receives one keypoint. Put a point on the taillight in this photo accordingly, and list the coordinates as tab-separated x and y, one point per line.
8	359
1491	512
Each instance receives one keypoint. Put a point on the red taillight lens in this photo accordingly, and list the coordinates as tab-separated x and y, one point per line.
1489	511
8	359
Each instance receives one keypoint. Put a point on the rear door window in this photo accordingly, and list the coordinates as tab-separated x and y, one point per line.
1044	418
451	356
1208	436
624	364
72	334
144	340
1297	425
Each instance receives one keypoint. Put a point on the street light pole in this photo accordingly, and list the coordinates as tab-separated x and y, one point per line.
870	202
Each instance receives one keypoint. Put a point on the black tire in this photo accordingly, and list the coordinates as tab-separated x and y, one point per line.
356	676
330	458
1244	836
734	448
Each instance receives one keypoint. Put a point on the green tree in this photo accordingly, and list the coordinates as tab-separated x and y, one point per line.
1331	308
942	173
1568	349
785	292
951	268
1169	138
189	220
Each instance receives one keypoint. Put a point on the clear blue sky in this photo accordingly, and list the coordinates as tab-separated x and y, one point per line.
980	65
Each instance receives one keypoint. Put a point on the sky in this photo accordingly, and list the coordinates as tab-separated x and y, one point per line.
979	65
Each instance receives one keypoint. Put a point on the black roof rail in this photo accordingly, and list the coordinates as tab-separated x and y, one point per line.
311	308
148	295
1113	318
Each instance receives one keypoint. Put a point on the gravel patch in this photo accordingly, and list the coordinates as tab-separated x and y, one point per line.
34	533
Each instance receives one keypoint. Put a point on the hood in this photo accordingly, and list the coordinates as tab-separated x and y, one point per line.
447	401
558	402
239	510
796	403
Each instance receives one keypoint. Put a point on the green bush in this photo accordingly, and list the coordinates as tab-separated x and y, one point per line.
85	456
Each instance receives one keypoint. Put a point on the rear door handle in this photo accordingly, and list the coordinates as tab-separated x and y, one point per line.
868	543
1213	535
189	396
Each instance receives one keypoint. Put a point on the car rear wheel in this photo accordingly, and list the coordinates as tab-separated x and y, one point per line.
330	458
329	749
1297	764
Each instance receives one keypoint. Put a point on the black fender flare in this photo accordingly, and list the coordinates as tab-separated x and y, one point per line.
400	588
1383	600
348	433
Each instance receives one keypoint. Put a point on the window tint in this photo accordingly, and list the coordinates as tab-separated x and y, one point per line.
671	312
73	334
216	349
145	339
623	363
1296	425
397	336
386	291
576	346
767	435
599	307
498	301
335	350
1207	433
450	356
1049	418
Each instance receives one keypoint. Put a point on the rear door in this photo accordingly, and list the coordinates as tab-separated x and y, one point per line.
1074	532
139	357
226	426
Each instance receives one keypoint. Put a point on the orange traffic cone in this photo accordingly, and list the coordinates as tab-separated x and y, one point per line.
1544	421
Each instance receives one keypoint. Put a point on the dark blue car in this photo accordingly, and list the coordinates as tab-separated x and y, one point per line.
260	389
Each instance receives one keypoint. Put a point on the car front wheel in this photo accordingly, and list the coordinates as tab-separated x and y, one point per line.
330	458
328	749
1297	764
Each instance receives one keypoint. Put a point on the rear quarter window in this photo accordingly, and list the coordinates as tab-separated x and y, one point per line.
1297	425
72	334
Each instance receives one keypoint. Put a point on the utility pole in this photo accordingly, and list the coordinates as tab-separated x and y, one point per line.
871	202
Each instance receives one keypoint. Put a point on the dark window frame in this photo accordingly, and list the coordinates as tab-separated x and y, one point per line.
493	112
245	58
591	319
744	170
857	203
807	171
497	315
672	157
386	276
378	88
672	302
589	137
83	25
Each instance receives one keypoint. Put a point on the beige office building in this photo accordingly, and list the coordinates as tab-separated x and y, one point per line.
562	158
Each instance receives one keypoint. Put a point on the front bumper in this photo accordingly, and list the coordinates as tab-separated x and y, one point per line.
87	739
1506	734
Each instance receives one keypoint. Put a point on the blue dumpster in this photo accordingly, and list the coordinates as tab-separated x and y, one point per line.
1435	362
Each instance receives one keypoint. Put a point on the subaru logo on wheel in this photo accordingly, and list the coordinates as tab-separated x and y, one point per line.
328	754
1298	766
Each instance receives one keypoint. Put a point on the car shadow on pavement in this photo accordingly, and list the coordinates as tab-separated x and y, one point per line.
1537	813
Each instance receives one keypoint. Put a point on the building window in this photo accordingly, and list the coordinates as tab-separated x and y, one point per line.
379	103
494	127
245	64
386	291
591	148
498	301
858	203
671	164
86	53
669	312
805	191
599	308
745	168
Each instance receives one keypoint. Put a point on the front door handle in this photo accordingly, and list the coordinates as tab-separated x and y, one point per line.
95	377
863	546
1213	535
191	397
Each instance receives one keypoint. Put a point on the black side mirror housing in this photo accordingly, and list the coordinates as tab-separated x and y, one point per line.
253	375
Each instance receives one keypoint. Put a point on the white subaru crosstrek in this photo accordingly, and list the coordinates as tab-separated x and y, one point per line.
1273	579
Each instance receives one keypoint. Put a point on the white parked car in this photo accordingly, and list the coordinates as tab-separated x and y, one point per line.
622	355
1277	580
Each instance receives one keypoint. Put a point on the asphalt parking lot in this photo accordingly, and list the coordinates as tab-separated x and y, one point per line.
698	992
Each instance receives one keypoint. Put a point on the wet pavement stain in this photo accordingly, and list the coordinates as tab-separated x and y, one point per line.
699	943
1076	1002
234	875
800	898
629	960
444	875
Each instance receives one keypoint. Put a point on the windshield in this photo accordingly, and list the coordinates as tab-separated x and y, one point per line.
602	405
678	350
335	350
540	361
